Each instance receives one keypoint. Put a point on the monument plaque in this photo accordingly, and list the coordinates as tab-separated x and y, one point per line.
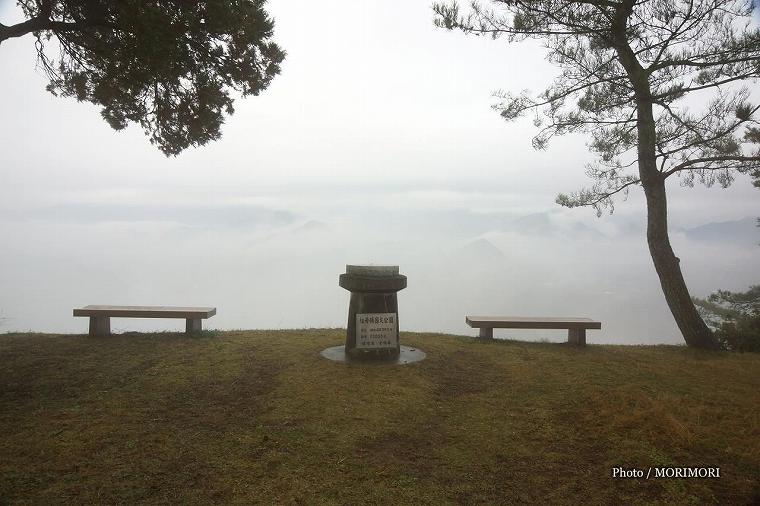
376	330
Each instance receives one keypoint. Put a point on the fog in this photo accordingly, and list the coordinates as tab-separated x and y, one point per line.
375	145
277	268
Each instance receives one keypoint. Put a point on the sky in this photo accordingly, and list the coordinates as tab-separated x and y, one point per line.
376	144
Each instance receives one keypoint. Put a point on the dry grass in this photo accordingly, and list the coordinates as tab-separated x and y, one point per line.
259	416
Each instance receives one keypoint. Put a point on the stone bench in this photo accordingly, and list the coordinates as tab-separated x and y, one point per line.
576	327
100	316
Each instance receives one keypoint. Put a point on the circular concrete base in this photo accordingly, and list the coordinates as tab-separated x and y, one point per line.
407	356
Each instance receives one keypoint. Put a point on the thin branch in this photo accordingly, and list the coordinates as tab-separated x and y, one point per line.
687	165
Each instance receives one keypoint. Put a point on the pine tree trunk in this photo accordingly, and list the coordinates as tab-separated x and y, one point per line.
666	263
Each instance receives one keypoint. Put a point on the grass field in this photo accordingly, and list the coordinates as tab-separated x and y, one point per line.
259	417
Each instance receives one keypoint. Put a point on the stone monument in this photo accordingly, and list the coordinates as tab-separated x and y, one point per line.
372	330
372	333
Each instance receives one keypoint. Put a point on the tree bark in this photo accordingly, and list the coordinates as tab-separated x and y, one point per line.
20	29
42	22
666	263
33	24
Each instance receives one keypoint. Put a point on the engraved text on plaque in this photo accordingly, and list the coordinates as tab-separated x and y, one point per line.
376	330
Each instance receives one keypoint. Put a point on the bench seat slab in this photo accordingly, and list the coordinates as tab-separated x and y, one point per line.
523	322
147	311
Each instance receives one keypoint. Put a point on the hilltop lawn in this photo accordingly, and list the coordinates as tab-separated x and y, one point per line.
259	416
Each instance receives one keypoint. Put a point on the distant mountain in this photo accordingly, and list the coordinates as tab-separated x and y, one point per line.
482	251
551	224
310	227
534	224
579	229
743	231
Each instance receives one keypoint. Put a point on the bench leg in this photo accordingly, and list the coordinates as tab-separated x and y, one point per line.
100	326
193	325
485	333
576	337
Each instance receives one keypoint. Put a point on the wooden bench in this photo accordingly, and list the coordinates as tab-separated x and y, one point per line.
576	327
100	316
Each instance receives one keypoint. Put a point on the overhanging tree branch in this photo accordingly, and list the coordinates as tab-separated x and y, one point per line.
167	65
747	162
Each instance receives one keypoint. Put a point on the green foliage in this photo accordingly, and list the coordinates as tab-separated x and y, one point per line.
753	135
169	65
734	318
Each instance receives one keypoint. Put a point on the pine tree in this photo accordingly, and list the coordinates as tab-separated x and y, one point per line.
627	68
